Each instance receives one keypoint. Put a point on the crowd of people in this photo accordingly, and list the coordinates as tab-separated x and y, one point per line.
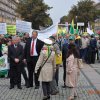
25	52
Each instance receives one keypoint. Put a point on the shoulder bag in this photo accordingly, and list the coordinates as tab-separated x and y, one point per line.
39	70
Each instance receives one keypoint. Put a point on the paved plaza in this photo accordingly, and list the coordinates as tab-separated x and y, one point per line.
88	87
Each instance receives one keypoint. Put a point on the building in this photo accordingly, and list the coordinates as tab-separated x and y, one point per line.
7	11
97	21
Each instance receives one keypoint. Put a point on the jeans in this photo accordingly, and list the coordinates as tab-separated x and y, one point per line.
83	53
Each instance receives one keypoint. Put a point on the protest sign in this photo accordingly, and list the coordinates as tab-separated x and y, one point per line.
3	65
11	29
3	29
46	33
23	26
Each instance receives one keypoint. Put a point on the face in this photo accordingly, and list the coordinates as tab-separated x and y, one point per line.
34	35
67	36
71	41
16	40
27	35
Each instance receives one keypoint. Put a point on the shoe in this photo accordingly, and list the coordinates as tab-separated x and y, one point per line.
19	87
64	86
48	97
36	87
55	93
11	87
45	98
71	98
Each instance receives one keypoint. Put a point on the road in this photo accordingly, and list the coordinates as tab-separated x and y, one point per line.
88	87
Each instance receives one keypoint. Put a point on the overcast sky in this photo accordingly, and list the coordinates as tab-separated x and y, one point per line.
60	8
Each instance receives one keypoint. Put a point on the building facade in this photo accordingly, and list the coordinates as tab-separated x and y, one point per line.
7	11
97	21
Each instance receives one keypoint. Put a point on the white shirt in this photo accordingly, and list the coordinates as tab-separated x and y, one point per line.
35	52
85	42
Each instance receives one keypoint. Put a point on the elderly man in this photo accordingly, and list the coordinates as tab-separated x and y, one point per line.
31	53
15	55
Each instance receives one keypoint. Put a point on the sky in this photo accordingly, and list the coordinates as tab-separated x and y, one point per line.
60	8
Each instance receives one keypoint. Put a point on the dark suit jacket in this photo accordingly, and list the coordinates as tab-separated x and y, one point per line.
64	51
39	45
15	53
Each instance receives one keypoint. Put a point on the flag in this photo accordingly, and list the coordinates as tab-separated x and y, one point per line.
89	26
77	31
46	33
90	31
72	27
67	26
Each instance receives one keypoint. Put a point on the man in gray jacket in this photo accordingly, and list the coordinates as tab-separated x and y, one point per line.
54	83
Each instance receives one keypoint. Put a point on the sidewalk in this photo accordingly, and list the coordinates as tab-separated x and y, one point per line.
88	87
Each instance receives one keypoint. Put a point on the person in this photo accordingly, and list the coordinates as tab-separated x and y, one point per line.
31	54
78	41
83	50
64	53
54	83
49	68
72	70
24	64
97	51
58	52
26	37
15	55
0	45
92	49
98	46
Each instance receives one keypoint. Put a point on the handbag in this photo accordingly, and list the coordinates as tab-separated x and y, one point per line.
39	70
80	63
58	59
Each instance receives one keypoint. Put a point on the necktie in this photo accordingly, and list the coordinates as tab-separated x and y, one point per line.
32	48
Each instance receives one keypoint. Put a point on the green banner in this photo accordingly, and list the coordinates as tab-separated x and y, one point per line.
11	29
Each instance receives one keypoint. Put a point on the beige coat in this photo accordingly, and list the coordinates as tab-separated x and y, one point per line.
48	69
72	71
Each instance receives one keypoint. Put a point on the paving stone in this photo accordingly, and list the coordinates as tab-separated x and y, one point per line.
84	89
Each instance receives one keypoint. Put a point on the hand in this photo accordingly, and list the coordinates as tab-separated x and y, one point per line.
16	60
24	61
59	55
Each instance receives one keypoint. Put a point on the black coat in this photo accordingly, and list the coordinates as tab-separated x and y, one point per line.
39	45
15	53
64	51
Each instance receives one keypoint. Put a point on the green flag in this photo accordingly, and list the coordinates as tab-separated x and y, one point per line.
72	27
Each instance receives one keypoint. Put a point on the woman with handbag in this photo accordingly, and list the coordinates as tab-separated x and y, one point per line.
72	70
46	63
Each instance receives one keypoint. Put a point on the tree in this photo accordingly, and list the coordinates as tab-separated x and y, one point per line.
34	11
85	11
64	19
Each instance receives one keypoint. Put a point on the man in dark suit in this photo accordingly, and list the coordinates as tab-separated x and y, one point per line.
31	53
15	55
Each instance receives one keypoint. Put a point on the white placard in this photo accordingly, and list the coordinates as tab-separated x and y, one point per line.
23	26
3	28
80	24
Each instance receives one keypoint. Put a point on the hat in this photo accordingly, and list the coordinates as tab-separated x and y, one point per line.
71	38
47	41
52	37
